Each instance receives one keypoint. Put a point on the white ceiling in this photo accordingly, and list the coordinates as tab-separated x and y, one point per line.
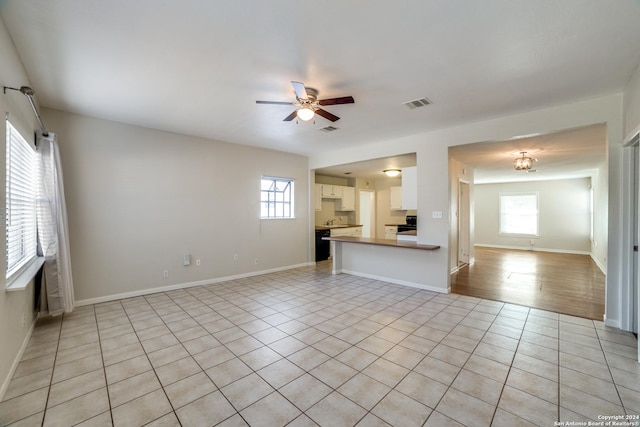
575	153
197	66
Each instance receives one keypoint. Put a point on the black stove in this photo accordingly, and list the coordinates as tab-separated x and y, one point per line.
411	225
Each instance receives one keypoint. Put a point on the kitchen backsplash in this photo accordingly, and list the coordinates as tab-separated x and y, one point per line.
329	213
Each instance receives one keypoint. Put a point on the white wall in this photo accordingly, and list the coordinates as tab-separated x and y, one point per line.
600	240
14	306
433	183
632	104
459	172
564	218
138	199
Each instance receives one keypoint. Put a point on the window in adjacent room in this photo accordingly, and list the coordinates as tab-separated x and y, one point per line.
519	214
276	197
21	181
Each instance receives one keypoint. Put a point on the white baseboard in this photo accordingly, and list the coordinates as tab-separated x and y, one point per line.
155	290
611	322
398	282
602	267
18	358
534	249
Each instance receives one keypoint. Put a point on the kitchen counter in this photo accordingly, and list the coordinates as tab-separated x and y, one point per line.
329	227
383	242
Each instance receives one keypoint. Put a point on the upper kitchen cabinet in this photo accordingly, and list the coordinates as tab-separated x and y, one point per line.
331	191
410	188
395	194
348	201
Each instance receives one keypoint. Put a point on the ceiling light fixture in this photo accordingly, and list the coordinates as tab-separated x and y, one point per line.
305	114
522	163
392	173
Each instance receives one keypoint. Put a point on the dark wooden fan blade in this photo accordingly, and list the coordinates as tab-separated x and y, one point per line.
301	92
336	101
291	116
327	115
276	102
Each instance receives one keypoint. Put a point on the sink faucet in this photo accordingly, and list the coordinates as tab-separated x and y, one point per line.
330	221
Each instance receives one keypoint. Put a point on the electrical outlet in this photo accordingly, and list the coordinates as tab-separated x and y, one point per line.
24	319
165	273
198	262
256	261
235	257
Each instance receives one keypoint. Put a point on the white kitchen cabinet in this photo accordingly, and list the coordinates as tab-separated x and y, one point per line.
390	231
348	201
396	198
317	195
410	188
346	231
331	191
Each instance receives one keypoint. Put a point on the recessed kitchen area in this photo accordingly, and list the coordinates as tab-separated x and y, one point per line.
361	200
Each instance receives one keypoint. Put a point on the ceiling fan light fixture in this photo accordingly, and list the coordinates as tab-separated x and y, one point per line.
523	163
391	173
305	114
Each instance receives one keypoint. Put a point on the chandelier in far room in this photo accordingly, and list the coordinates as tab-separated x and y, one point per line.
523	163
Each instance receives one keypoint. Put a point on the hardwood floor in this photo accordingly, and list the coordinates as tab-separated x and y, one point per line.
563	283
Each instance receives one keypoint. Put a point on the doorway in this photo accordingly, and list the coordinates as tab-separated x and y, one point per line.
367	213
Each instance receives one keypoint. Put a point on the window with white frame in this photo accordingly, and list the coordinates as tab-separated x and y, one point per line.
21	184
276	197
519	214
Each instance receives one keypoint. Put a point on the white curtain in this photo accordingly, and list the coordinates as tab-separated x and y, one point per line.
56	295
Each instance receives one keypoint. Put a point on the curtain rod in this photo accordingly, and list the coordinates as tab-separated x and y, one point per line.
28	92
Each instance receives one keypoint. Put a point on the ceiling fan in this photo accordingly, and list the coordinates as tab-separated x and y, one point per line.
309	105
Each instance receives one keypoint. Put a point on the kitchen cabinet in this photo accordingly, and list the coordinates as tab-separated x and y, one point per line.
410	188
396	198
346	231
331	191
390	231
317	195
348	201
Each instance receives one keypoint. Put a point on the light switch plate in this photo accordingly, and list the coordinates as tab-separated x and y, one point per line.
436	214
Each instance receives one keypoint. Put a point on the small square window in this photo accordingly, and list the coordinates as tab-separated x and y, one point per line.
276	197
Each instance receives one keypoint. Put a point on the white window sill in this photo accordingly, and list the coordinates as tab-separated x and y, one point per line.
22	279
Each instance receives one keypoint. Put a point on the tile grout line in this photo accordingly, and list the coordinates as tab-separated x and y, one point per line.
104	366
44	412
606	359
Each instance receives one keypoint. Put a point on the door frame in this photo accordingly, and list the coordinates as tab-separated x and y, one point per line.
630	292
372	210
464	217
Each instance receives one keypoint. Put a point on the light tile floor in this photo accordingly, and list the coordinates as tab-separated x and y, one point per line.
303	347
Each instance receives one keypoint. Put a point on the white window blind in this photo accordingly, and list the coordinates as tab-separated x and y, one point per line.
21	201
276	198
519	214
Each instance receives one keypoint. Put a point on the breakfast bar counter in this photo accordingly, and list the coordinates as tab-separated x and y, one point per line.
396	261
384	242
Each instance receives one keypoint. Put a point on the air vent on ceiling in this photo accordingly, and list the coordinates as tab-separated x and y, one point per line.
328	128
417	103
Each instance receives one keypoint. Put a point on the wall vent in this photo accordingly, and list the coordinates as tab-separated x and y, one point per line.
417	103
328	128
